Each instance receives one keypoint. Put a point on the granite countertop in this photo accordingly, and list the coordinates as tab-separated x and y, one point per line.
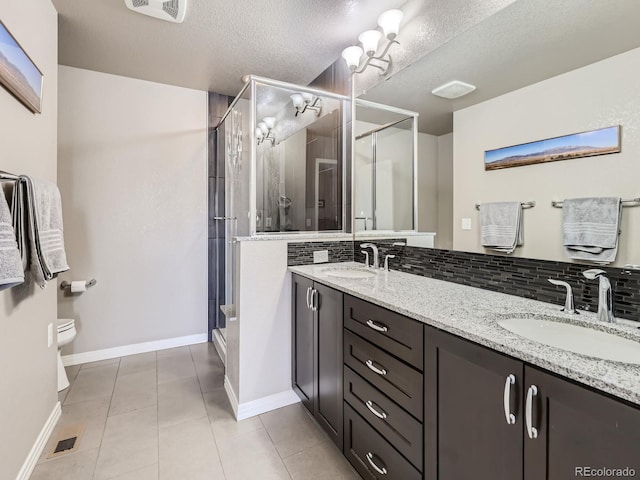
473	313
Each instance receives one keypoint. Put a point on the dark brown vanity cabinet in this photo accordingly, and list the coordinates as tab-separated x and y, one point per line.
491	417
317	352
383	392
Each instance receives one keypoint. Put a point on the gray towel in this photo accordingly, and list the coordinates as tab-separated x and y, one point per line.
11	271
44	229
591	227
501	226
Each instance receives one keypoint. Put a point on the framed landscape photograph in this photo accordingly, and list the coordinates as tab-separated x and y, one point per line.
576	145
18	74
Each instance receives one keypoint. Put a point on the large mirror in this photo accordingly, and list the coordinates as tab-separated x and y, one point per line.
542	69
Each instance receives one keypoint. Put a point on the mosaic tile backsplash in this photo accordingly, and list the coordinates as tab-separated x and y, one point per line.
523	277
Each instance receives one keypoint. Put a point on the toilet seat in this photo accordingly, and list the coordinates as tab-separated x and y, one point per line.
65	324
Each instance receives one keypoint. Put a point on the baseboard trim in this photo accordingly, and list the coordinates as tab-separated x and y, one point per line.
221	345
32	459
262	405
116	352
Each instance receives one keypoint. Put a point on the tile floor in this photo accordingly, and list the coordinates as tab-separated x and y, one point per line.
165	416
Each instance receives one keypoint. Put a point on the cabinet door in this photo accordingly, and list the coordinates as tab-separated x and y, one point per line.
302	368
578	429
329	322
467	436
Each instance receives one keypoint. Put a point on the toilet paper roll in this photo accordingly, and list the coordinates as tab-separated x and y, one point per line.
78	286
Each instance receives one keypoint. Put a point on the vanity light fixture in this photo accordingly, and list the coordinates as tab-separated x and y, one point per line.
264	130
306	101
453	89
359	58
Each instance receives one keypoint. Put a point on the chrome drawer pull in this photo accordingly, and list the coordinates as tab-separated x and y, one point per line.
378	413
308	303
379	327
531	430
381	471
510	417
373	368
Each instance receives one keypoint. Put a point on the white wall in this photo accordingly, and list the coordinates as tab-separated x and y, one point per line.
595	96
428	184
28	375
133	178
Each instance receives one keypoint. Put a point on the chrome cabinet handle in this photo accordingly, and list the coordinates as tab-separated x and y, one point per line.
225	218
314	299
379	327
531	430
373	368
380	470
378	413
308	302
510	417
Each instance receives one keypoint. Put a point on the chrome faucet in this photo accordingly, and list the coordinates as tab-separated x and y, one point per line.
569	307
605	296
376	259
386	261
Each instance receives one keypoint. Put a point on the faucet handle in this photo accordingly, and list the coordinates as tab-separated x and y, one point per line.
569	306
386	261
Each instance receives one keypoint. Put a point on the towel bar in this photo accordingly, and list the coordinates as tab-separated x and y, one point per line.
90	283
530	204
631	202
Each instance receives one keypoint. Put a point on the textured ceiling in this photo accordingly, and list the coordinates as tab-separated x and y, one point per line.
524	43
219	41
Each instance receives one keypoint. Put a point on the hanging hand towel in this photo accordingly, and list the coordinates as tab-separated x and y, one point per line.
591	227
44	229
501	226
11	271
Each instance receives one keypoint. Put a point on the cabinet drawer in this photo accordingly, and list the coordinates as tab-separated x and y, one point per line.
364	447
395	379
401	430
398	335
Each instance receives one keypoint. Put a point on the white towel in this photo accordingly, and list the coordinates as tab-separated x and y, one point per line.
43	209
11	271
591	227
501	226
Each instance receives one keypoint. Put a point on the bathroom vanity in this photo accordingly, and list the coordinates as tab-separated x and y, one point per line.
431	386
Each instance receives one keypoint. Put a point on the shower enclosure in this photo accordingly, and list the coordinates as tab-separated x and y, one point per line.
385	164
285	152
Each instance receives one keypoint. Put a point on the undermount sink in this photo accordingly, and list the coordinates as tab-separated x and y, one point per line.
575	338
350	273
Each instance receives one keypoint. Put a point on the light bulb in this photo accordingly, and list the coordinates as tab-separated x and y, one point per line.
352	56
389	21
308	97
297	100
259	134
263	127
369	40
269	121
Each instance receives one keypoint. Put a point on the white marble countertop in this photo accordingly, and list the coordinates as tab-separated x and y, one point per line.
473	313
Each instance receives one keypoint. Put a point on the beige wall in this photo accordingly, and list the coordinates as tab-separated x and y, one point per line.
596	96
444	188
28	144
133	178
428	183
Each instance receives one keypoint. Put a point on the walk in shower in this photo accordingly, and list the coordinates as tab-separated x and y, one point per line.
285	149
385	164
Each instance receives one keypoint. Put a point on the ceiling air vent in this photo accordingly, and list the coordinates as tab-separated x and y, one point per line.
169	10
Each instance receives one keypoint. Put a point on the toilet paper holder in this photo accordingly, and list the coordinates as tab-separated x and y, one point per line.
90	283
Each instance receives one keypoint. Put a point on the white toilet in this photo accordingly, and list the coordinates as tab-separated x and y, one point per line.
66	334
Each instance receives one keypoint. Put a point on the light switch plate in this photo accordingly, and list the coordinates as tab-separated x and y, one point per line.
321	256
49	334
466	224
